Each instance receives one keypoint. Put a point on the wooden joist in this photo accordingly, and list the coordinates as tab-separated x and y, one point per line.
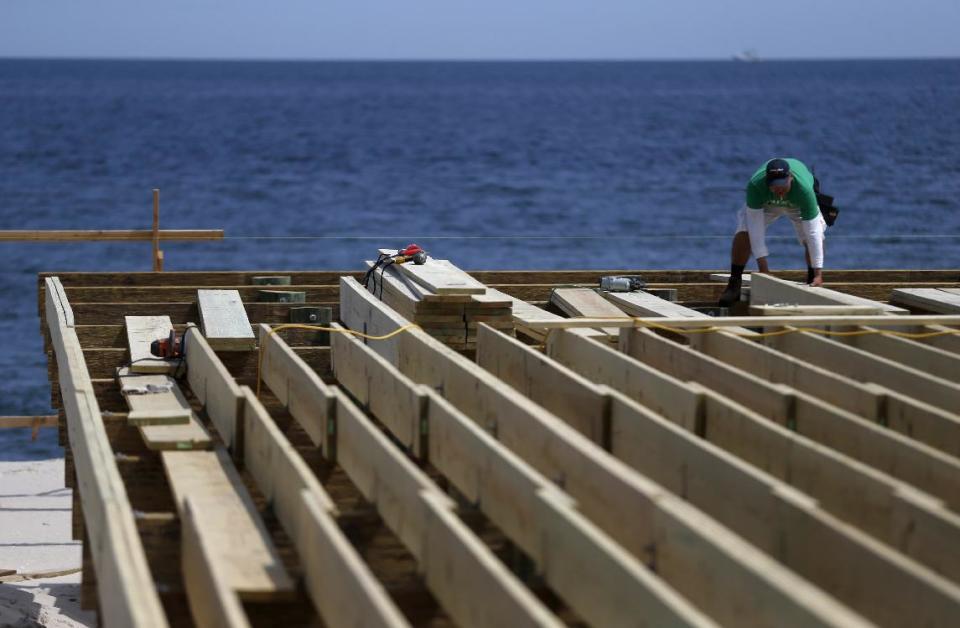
441	277
126	593
142	331
890	510
628	507
161	412
216	389
929	299
225	519
223	320
768	290
576	302
764	510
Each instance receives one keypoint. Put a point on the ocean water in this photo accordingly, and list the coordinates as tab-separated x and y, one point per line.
492	165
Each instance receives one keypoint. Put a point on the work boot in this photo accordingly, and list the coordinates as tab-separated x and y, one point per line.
732	292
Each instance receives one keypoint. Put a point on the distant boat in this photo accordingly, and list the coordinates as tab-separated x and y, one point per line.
747	56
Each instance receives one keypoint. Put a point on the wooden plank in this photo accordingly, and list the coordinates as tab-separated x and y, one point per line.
924	467
706	563
859	364
768	290
441	277
749	321
298	387
338	581
49	420
537	377
930	360
212	602
473	586
901	413
359	311
815	310
586	302
930	299
141	332
126	593
213	385
153	399
228	520
383	392
646	304
224	321
887	509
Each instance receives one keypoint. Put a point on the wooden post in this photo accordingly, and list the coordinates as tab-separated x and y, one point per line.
157	253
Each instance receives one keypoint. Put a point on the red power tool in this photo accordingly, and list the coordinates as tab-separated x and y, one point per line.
167	348
412	253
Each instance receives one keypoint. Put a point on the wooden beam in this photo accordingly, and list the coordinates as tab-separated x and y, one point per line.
53	235
471	584
48	420
161	413
815	310
885	508
859	364
750	321
706	563
899	412
766	289
381	390
223	320
213	604
359	311
216	389
234	536
936	362
576	302
142	331
126	592
297	386
441	277
930	299
646	304
924	467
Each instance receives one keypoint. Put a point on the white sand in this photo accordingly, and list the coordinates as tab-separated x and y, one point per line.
35	537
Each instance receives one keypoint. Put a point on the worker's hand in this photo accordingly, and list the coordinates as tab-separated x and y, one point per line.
762	265
817	278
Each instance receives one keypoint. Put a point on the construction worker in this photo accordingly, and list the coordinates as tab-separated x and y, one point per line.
781	187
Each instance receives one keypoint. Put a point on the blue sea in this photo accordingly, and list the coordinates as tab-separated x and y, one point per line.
492	165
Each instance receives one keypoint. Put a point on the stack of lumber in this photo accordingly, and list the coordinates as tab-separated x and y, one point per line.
442	299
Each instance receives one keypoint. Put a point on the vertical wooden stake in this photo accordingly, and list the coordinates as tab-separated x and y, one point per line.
157	253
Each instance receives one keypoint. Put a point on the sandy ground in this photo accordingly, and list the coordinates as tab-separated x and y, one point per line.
35	537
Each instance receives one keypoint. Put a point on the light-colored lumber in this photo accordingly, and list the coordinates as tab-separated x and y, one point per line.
55	235
352	596
298	387
924	467
231	530
153	399
224	321
306	512
126	592
930	299
213	604
918	420
760	508
383	392
359	312
769	290
859	364
586	302
706	563
441	277
534	375
937	362
141	332
815	310
468	580
646	304
602	583
216	389
544	323
912	522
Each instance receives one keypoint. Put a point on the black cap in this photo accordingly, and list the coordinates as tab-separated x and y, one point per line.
777	171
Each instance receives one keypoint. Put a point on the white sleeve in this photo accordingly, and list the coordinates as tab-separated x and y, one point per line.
813	235
757	229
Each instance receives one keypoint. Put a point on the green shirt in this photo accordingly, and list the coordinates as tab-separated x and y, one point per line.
801	195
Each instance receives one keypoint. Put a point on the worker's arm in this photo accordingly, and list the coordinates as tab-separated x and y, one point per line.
757	230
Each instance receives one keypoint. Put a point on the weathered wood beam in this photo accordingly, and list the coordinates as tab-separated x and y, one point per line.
769	290
54	235
215	388
126	592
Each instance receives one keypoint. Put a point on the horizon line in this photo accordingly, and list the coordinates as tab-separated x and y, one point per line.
728	58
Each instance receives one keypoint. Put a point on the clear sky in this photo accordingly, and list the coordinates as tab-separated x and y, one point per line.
478	29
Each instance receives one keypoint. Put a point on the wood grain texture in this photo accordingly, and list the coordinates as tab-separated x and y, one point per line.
141	332
223	320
